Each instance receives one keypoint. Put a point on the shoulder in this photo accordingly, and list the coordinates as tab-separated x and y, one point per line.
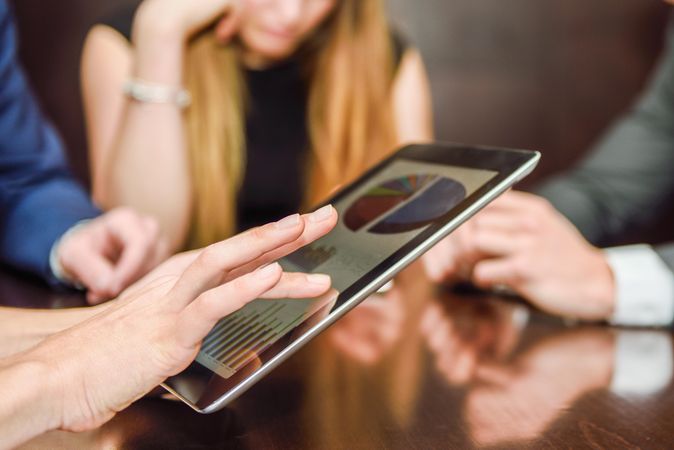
109	37
121	20
400	45
407	60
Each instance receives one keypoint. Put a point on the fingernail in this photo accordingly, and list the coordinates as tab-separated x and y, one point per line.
267	271
318	278
321	214
288	222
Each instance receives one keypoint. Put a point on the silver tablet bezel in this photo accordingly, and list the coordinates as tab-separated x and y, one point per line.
371	287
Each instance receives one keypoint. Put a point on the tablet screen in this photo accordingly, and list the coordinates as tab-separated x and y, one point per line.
394	206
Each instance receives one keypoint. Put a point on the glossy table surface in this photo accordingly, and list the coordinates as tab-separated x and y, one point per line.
421	367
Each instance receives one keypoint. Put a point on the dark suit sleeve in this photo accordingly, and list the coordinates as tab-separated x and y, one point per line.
39	200
666	252
628	179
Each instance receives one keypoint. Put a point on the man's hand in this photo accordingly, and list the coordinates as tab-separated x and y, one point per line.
105	363
521	242
451	259
109	253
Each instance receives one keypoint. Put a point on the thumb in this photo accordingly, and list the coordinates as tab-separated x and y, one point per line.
90	267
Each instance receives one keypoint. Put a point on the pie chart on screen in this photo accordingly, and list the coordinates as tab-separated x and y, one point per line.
404	204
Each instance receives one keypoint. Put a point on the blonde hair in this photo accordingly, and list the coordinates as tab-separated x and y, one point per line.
350	64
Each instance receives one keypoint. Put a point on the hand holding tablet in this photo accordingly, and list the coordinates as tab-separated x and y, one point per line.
388	218
213	304
81	377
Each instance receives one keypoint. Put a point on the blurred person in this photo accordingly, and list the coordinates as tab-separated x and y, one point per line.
545	247
49	227
79	378
218	115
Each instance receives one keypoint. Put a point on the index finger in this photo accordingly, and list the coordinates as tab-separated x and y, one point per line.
514	201
317	224
215	262
496	243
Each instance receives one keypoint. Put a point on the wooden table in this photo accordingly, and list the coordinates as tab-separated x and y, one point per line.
418	368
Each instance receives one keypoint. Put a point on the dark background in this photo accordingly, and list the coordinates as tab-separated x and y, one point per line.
547	75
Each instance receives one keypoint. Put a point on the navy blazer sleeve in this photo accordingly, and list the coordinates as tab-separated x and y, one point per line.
39	199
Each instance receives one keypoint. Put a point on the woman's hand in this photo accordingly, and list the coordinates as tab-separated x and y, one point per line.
102	365
184	19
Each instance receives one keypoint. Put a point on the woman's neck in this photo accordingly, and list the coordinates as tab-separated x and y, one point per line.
255	61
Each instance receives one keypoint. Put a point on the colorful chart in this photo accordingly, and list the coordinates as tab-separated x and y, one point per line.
416	201
431	204
383	198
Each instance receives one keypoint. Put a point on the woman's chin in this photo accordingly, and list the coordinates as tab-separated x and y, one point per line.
262	57
265	47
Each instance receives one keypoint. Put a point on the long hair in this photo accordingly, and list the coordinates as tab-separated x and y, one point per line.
349	61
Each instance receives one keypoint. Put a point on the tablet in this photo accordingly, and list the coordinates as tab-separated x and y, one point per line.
387	218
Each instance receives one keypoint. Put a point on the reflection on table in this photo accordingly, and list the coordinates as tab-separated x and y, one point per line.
422	367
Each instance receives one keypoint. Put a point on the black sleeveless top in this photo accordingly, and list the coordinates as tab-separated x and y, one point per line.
277	140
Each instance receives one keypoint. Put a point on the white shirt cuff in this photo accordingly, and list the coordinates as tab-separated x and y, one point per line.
644	287
55	264
643	362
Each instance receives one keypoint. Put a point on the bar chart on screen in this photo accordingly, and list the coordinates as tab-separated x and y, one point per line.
242	336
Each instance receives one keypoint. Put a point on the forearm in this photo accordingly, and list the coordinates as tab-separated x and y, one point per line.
411	99
21	329
626	180
35	177
31	223
29	406
616	188
148	167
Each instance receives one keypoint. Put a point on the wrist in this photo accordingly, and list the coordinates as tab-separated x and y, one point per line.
159	42
32	401
156	23
603	286
63	403
48	398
